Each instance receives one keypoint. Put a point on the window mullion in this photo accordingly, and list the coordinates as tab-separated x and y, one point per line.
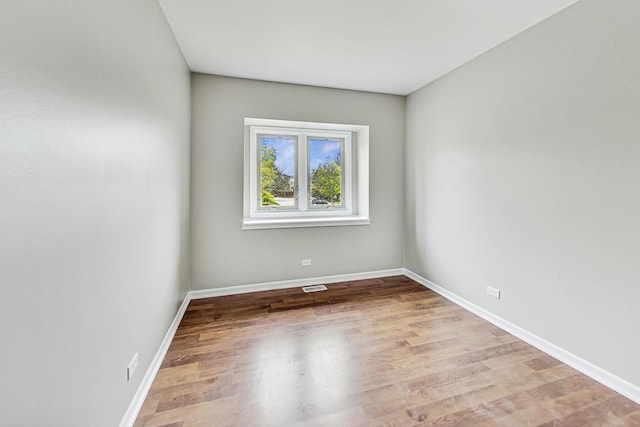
303	165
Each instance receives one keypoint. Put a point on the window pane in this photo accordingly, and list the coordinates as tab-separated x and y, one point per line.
325	172
277	170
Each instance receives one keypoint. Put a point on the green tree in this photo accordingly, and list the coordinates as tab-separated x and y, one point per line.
268	174
326	180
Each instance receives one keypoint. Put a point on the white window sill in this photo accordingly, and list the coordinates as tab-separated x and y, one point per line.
336	221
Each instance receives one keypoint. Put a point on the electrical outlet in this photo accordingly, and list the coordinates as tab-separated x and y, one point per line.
493	292
306	262
132	366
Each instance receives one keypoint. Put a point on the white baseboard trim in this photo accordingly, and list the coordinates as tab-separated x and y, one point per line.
143	389
285	284
604	377
141	394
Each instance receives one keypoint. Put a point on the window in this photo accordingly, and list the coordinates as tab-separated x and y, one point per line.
302	174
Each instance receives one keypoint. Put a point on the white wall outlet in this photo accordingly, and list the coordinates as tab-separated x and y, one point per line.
306	262
132	366
493	292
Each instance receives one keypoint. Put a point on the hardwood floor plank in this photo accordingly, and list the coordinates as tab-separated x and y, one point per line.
377	352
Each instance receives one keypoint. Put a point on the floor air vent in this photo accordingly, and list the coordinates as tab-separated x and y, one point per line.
314	288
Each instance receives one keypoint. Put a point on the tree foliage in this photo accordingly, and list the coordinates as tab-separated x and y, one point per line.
268	198
326	180
268	174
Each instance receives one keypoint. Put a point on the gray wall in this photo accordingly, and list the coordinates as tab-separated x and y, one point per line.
225	255
522	172
94	185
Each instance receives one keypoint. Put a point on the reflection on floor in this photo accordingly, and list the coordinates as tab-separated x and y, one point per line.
384	352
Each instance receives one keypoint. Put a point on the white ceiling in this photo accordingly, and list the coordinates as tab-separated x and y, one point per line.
388	46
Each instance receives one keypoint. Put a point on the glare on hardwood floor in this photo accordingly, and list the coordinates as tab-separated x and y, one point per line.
378	352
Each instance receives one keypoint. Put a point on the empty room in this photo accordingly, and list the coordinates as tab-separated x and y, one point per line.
319	213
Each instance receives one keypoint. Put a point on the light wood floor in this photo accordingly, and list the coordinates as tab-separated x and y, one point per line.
380	352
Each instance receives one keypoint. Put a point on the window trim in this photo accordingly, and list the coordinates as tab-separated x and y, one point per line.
356	153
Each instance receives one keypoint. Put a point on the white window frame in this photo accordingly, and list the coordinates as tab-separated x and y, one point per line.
301	190
354	209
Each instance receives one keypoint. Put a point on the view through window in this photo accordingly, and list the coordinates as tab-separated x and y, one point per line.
305	174
279	172
325	172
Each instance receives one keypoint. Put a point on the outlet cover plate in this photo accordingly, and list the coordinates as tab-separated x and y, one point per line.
494	292
132	367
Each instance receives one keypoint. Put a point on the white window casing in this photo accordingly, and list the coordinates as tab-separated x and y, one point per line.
354	207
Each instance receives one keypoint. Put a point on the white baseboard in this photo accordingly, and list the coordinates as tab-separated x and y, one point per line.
604	377
141	394
143	389
284	284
